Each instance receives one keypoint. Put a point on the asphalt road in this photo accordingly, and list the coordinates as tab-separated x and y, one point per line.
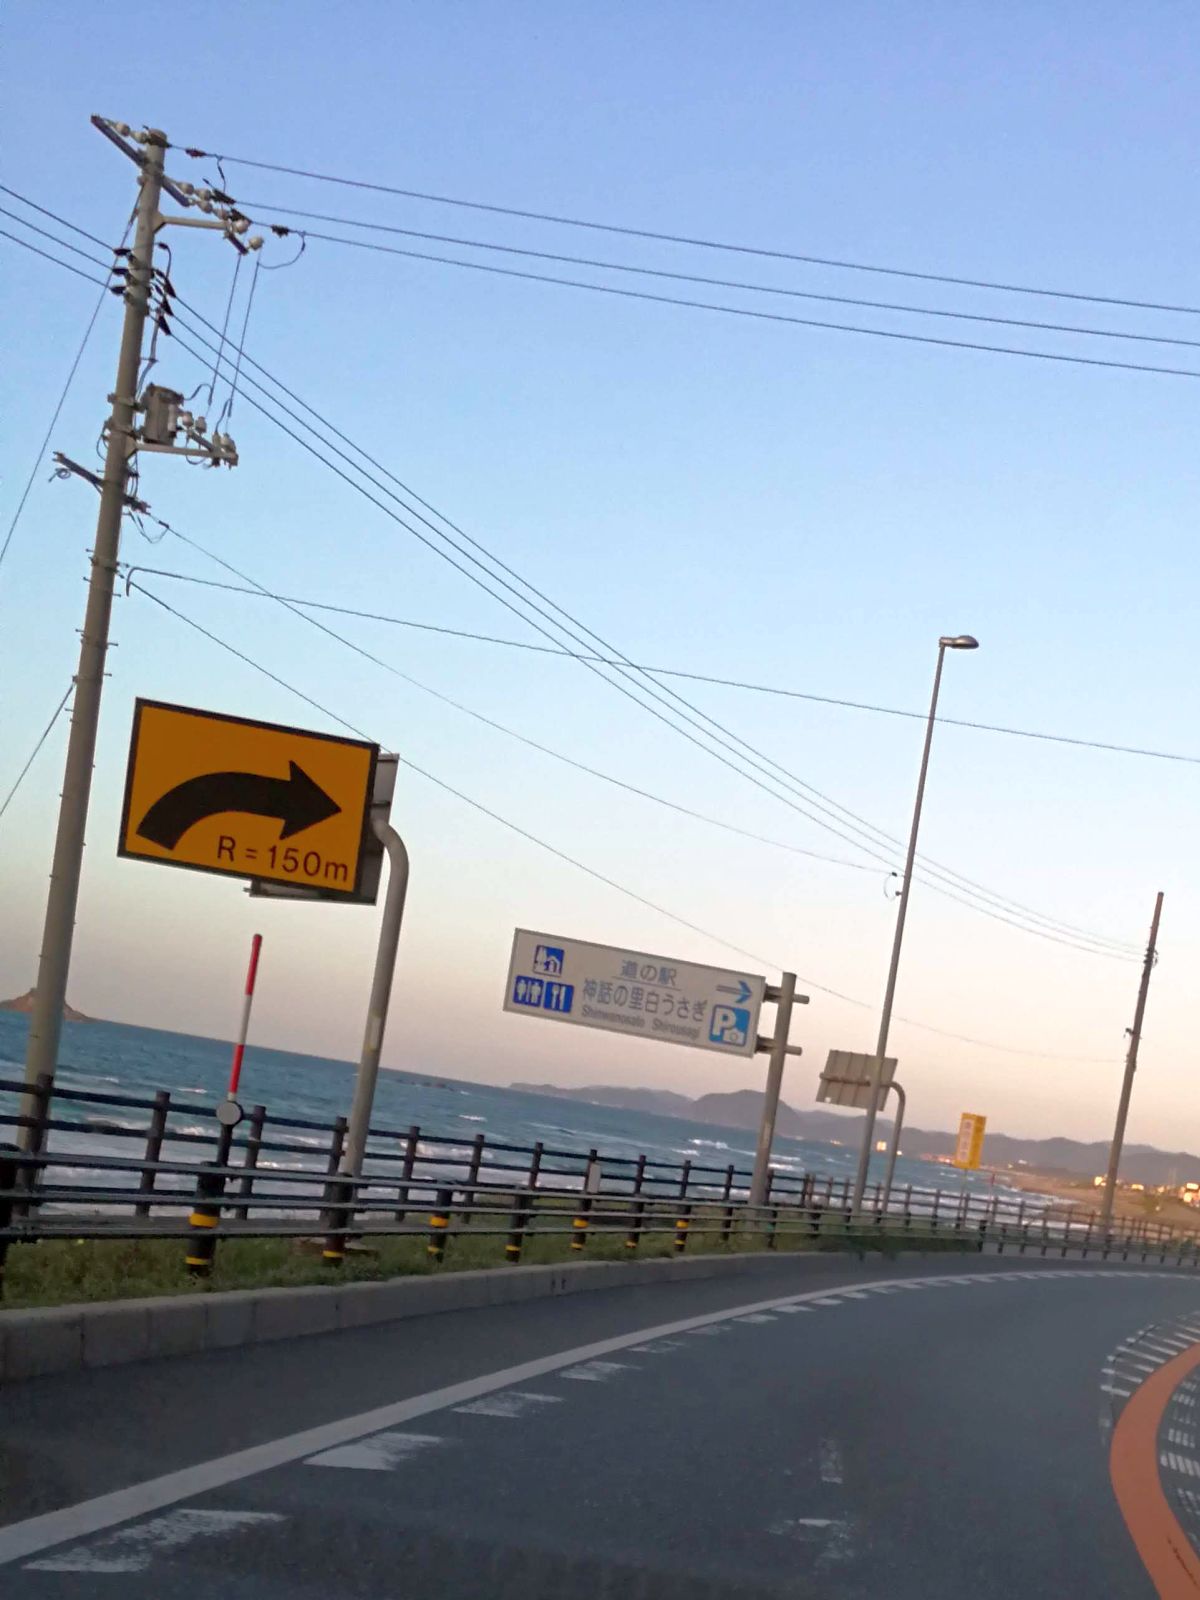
941	1427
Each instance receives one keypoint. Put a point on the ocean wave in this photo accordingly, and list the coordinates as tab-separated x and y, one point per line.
709	1144
463	1117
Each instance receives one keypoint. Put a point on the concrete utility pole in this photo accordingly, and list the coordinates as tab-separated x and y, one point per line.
962	641
1131	1055
45	1022
146	150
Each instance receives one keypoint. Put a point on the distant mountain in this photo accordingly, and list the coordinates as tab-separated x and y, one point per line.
661	1101
24	1002
1140	1163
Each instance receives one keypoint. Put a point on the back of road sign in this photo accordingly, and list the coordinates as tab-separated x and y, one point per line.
846	1078
632	992
246	799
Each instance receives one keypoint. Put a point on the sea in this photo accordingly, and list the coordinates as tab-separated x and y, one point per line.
117	1059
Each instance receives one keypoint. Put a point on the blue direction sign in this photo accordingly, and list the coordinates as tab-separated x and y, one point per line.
631	992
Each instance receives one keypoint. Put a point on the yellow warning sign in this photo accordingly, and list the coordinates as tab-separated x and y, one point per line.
969	1148
248	799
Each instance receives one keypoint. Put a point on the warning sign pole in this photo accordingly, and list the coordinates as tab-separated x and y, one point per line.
381	993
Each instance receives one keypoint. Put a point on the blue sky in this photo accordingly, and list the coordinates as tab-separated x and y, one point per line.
798	507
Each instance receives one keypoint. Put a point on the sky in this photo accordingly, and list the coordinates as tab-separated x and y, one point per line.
800	507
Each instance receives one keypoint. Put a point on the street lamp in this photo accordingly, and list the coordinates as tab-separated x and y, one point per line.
959	641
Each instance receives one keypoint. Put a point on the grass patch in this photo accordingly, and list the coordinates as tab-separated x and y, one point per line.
68	1271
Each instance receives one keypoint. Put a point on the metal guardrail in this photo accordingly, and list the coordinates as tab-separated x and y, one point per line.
278	1177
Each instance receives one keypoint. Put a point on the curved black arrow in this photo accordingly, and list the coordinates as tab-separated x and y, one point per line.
296	800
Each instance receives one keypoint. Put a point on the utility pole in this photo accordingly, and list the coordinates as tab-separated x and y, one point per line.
961	641
147	151
1131	1055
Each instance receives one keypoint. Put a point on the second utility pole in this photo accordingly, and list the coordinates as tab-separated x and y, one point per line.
1131	1055
45	1022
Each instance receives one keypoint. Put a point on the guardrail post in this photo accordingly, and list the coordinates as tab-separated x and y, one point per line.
340	1196
206	1214
684	1174
634	1236
908	1207
727	1222
639	1174
411	1145
254	1139
772	1224
518	1223
682	1224
154	1144
728	1189
439	1225
580	1221
8	1180
476	1161
933	1215
535	1165
333	1215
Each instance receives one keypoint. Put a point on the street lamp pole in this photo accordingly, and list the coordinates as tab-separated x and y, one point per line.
962	641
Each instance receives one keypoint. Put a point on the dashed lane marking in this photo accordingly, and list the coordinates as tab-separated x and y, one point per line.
595	1371
381	1452
830	1458
513	1404
133	1549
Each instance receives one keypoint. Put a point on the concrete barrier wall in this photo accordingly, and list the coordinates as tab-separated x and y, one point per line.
70	1338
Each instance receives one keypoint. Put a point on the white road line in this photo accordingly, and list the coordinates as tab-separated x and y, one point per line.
1112	1388
382	1452
595	1371
133	1549
757	1316
19	1540
830	1457
513	1404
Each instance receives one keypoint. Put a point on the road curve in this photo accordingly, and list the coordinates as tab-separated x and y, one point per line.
991	1428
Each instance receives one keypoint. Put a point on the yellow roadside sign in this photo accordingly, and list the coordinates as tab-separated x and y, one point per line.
969	1148
247	799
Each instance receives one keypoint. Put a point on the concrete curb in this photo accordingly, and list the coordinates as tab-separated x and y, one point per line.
74	1338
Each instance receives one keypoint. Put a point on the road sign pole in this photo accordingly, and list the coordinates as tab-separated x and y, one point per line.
381	992
45	1022
1135	1036
895	1149
784	1000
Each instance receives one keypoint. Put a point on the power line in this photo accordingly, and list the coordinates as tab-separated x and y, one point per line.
592	871
66	265
671	672
72	227
696	241
730	742
759	316
62	399
261	592
690	277
45	734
